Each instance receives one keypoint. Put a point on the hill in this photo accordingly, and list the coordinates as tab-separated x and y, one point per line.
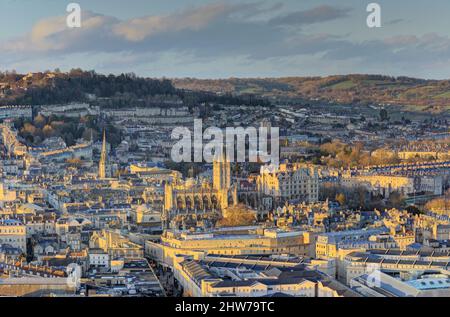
428	96
104	90
77	85
425	95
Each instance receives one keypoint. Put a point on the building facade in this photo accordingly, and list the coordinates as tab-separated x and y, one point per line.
13	232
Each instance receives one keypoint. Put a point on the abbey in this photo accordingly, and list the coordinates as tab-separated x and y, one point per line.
202	195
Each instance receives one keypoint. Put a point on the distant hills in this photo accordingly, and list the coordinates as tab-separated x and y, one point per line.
423	95
77	85
128	89
104	90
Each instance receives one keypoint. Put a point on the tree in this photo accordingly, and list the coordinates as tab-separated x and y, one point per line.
439	205
40	121
235	216
384	115
396	200
413	210
340	198
48	131
89	134
28	128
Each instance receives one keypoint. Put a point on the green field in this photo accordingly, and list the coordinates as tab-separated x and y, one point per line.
444	95
344	85
250	90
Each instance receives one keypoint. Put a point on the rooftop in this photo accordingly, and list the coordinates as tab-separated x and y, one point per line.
430	283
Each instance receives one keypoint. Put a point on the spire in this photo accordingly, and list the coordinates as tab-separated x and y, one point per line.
103	158
104	142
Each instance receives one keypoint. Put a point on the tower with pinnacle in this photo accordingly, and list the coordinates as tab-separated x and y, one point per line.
222	179
221	173
103	159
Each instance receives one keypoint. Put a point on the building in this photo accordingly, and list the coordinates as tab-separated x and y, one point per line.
228	241
130	277
13	232
14	112
220	279
379	284
11	141
406	179
78	151
439	155
103	159
408	264
328	244
155	174
441	232
386	184
200	195
173	113
36	287
116	245
288	182
98	258
40	224
72	110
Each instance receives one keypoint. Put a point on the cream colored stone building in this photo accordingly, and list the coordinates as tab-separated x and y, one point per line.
116	245
202	195
156	173
387	184
247	241
289	182
198	281
13	232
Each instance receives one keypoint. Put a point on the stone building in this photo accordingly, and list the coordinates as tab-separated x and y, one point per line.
288	182
192	195
13	232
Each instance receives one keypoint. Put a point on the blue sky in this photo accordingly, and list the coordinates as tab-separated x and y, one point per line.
218	38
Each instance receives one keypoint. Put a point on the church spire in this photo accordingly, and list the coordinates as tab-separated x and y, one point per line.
103	158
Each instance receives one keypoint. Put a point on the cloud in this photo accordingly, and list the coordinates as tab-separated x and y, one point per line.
253	34
189	20
318	14
52	35
406	48
394	21
218	28
408	55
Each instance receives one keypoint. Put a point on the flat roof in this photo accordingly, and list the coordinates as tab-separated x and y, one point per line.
430	283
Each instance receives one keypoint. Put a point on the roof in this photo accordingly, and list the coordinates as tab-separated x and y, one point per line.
10	222
430	283
195	270
9	249
230	283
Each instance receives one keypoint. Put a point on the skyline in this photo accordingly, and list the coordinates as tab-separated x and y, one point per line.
221	39
317	165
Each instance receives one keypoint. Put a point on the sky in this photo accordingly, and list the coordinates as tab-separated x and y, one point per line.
228	38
